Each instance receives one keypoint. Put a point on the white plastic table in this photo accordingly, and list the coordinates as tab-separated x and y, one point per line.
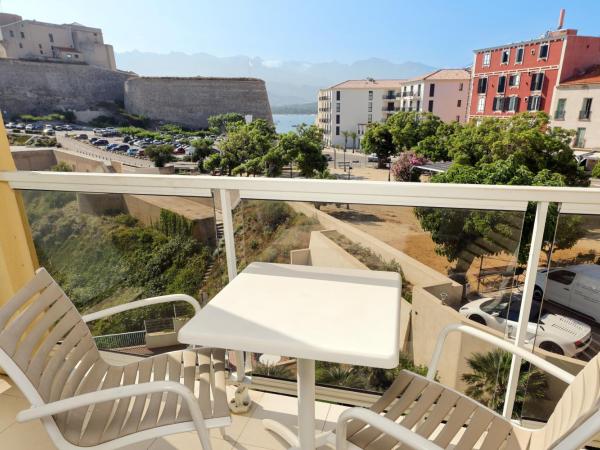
311	313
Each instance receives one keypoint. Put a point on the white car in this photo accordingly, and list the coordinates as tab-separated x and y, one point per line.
555	333
576	287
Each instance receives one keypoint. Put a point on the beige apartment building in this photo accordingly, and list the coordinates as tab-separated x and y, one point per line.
573	105
32	40
352	105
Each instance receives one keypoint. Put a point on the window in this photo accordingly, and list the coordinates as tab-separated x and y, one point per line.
537	81
337	131
562	276
486	59
458	103
579	138
370	118
40	46
513	103
12	33
419	90
586	109
390	106
50	37
534	103
431	89
458	118
338	95
480	104
519	55
337	107
482	86
22	35
514	80
337	118
76	56
370	108
460	86
559	114
501	84
20	45
370	95
544	50
430	106
498	104
505	56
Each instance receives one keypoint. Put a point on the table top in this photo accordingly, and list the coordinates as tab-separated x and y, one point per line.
345	316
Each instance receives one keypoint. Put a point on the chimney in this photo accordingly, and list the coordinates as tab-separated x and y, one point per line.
561	19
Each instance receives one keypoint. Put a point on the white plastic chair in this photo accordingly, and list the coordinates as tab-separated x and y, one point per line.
48	351
417	412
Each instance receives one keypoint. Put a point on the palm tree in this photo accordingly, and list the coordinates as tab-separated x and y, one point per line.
346	135
489	380
353	135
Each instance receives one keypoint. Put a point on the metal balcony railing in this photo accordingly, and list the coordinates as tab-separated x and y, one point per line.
434	195
585	115
559	115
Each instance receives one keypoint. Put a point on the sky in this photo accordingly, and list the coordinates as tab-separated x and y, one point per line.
440	33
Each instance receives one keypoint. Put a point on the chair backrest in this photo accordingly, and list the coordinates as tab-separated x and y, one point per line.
580	400
37	318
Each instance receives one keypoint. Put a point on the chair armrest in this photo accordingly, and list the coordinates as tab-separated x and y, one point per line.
383	424
104	395
499	342
141	303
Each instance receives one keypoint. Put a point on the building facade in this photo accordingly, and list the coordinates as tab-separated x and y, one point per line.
352	105
32	40
521	76
574	106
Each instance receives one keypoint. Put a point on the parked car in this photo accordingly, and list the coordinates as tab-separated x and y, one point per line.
20	126
132	151
98	130
59	127
556	333
11	125
329	157
48	132
82	137
372	158
112	146
67	128
179	151
93	139
122	147
576	287
29	127
100	142
140	153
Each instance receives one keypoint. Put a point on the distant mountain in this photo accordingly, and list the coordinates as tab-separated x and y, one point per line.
288	82
300	108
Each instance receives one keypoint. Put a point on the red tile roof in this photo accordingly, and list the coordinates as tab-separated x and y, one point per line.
592	76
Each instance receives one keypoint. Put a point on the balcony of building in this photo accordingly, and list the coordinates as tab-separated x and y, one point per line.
104	237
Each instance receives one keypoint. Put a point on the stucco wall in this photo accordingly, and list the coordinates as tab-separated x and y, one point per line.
34	159
191	101
42	88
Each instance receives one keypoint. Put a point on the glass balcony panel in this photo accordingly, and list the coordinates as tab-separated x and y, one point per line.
567	301
110	249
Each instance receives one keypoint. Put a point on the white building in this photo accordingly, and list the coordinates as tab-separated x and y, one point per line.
29	39
350	106
573	105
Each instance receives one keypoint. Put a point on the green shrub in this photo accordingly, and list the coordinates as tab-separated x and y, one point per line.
596	171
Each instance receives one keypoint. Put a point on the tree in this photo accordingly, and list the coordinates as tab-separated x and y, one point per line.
245	142
489	380
202	149
220	123
346	135
160	154
305	148
353	135
378	139
409	128
402	169
435	147
61	167
596	171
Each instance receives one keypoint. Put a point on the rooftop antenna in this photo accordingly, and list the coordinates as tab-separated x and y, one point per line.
561	19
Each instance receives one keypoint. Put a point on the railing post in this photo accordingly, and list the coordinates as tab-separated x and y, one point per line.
241	402
537	238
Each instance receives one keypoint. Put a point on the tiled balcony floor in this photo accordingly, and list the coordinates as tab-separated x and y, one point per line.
246	432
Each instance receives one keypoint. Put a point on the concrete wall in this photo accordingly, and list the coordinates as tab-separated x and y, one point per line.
190	101
326	253
34	159
44	87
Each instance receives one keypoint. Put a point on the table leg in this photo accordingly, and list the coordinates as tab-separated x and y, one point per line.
306	403
306	411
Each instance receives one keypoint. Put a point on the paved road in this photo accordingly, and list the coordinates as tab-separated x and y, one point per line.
89	150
